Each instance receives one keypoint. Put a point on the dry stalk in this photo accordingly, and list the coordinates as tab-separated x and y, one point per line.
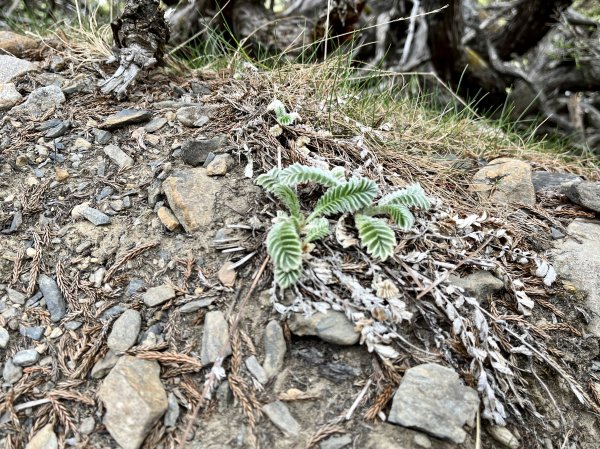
332	427
380	402
170	358
131	254
18	267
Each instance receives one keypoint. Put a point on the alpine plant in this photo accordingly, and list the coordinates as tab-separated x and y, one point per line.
293	230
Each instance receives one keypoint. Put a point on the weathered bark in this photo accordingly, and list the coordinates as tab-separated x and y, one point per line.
531	21
140	35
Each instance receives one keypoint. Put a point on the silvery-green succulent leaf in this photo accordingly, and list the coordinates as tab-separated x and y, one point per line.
350	196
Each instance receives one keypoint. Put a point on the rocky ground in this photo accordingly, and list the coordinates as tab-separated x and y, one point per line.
137	309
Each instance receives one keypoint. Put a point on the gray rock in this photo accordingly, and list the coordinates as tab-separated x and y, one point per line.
191	195
4	338
194	152
44	439
336	442
576	259
42	100
118	156
125	331
338	372
81	83
220	165
556	234
33	332
11	67
15	296
135	400
54	299
200	89
11	372
155	124
126	117
59	129
156	296
104	365
172	415
480	284
256	370
280	415
332	327
171	104
422	440
275	348
215	339
92	215
9	96
26	357
101	136
87	425
544	180
504	436
73	325
193	116
431	398
194	306
134	286
586	194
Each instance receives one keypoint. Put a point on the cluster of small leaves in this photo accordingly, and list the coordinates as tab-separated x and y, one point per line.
283	117
293	231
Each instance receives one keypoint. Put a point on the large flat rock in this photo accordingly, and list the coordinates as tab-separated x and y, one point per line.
134	398
11	67
504	181
191	195
432	398
577	259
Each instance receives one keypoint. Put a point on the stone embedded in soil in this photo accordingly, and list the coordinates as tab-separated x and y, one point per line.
194	306
16	44
575	259
15	296
33	332
26	357
586	194
432	398
191	195
481	284
193	116
504	436
61	174
505	181
59	130
94	216
9	96
87	425
55	302
125	331
338	372
336	442
155	124
101	136
215	338
82	144
118	156
194	151
135	400
11	372
280	416
256	369
167	218
275	348
41	100
172	414
44	439
4	338
104	365
332	327
544	180
126	117
220	165
156	296
11	67
227	274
